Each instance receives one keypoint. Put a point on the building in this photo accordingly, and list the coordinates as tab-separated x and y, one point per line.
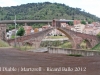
79	27
28	30
11	33
64	25
45	27
91	29
75	22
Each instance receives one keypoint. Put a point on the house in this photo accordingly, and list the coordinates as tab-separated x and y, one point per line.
92	30
10	33
89	30
63	24
36	30
56	32
79	27
45	27
40	29
75	22
28	30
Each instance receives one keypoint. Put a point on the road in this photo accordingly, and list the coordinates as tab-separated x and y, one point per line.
15	62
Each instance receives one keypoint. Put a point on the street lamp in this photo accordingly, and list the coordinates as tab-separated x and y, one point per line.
15	29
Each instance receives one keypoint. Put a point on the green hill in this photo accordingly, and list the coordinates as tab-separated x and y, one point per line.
46	10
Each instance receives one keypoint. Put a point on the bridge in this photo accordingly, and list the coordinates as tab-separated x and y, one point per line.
30	21
75	37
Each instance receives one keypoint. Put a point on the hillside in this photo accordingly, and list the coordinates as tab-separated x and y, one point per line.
46	10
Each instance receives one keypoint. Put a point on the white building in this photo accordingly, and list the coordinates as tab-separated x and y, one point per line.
10	33
79	27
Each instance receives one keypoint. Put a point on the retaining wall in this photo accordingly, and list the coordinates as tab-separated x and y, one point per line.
73	51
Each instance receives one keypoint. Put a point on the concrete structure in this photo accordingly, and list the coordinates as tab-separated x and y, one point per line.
30	21
73	52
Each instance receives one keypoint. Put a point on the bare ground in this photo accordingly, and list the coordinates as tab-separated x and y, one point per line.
12	59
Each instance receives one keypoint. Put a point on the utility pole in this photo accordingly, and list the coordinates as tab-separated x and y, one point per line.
15	29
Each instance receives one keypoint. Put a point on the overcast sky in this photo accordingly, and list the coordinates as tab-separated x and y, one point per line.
91	6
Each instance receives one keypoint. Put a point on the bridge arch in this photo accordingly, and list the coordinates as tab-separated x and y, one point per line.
69	36
87	43
73	43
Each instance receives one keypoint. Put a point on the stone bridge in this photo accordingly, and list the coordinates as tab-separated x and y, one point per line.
35	39
75	38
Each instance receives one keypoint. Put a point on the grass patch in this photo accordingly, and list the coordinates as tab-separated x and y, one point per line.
76	55
83	45
97	47
3	44
56	37
25	48
66	45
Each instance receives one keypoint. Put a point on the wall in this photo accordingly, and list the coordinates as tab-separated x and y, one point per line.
73	51
3	31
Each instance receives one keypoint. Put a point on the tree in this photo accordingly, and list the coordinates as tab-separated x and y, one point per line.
21	31
83	22
70	23
89	22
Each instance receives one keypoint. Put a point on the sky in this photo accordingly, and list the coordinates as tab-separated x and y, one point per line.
91	6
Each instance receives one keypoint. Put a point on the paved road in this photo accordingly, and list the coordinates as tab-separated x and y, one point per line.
15	62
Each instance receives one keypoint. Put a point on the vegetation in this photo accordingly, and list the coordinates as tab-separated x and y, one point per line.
83	22
66	45
60	44
98	35
97	47
76	55
12	26
50	43
3	44
46	10
70	23
89	22
21	31
83	45
13	36
25	48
